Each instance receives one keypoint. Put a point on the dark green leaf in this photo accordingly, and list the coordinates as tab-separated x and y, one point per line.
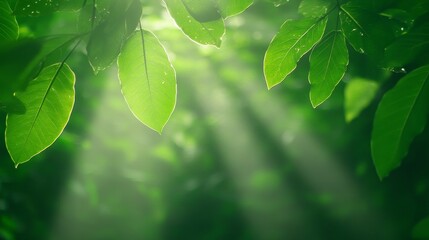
295	38
400	20
202	10
207	33
401	115
328	63
408	47
15	59
20	60
229	8
148	80
48	100
12	105
365	30
358	94
421	230
107	38
8	24
315	8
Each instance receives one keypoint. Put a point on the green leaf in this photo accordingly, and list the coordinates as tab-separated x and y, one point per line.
8	24
315	8
148	80
421	229
207	33
229	8
401	115
107	38
295	38
408	47
328	63
358	94
48	100
365	30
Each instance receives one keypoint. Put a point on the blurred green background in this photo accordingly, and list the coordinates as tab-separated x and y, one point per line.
235	161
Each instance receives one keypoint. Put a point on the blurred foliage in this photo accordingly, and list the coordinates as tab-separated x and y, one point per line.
234	162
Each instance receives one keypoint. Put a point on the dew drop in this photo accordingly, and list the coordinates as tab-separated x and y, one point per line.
398	70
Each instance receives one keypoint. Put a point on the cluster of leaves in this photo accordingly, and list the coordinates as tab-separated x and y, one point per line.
37	89
393	34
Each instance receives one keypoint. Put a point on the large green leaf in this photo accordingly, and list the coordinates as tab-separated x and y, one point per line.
401	115
328	63
358	94
315	8
107	38
229	8
203	32
367	31
8	24
148	79
48	100
295	38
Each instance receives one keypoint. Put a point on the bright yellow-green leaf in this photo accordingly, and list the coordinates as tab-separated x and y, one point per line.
401	115
359	93
203	32
328	63
295	38
148	80
48	100
8	24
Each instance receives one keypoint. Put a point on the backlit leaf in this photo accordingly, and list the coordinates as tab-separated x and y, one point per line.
229	8
295	38
8	24
358	94
148	80
48	100
401	115
203	32
328	63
